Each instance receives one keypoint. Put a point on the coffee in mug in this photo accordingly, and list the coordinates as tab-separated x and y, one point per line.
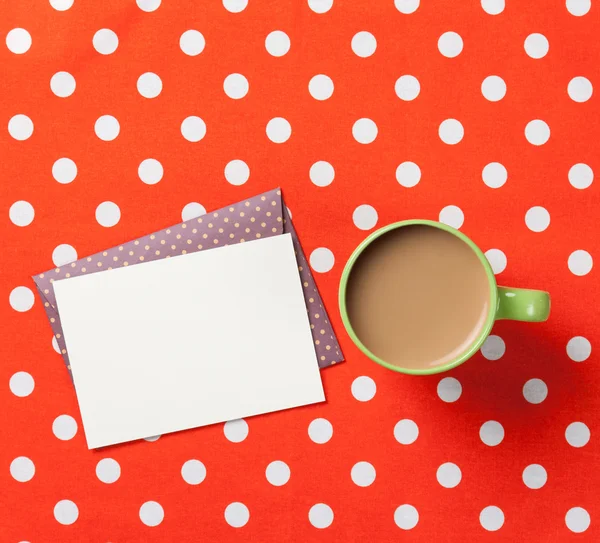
420	297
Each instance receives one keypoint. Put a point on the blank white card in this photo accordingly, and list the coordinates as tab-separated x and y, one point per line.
189	341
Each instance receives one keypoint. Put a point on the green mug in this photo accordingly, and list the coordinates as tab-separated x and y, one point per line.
505	303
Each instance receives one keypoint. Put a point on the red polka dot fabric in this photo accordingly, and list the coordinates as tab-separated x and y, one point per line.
120	118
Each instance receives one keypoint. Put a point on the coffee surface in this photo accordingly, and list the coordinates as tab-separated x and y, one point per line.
418	297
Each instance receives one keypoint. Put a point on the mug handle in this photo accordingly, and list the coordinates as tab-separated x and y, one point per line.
520	304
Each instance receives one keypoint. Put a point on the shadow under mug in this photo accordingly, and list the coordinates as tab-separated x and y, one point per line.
506	303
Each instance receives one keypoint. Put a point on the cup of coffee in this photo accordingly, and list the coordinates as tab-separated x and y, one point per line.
419	297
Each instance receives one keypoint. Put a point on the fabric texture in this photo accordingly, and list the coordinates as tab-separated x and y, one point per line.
120	117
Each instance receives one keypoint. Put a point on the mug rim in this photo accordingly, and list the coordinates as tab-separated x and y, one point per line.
475	345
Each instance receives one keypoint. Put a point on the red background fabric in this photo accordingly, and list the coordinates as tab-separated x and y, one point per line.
322	130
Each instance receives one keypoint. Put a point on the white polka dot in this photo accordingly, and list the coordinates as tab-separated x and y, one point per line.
451	131
18	41
150	171
535	476
452	216
62	84
193	472
55	345
322	173
493	348
448	475
578	7
581	176
577	520
149	85
450	44
449	389
66	512
406	517
192	43
363	474
278	473
237	514
277	43
580	262
21	299
64	427
236	430
536	46
493	88
105	41
152	439
537	132
235	6
364	217
537	219
580	89
148	5
497	260
407	87
320	516
63	254
64	170
494	175
236	86
237	172
491	433
152	513
22	469
492	7
108	214
20	127
320	431
279	130
61	5
577	434
193	210
408	174
579	349
320	6
406	431
363	388
21	213
406	6
21	384
107	128
535	391
491	518
193	129
322	260
363	44
320	87
108	470
364	131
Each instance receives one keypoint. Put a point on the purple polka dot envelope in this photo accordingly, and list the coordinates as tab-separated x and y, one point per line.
261	216
183	342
